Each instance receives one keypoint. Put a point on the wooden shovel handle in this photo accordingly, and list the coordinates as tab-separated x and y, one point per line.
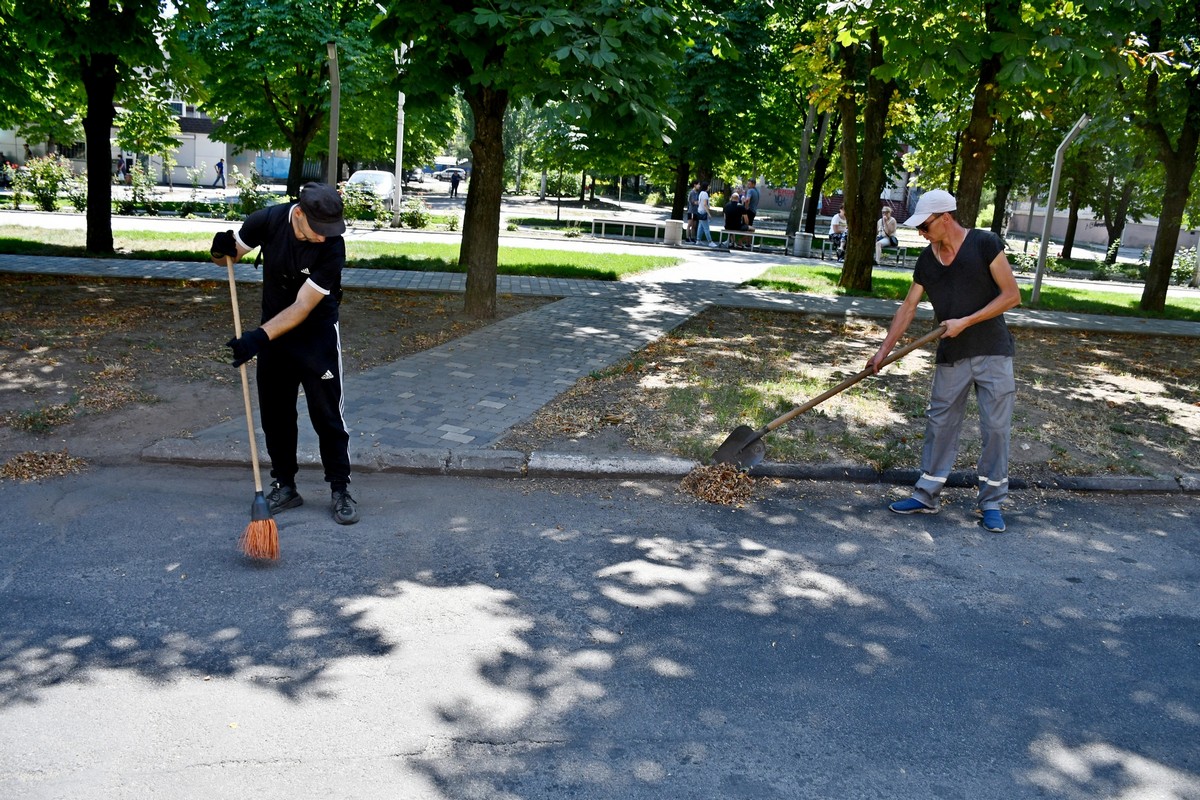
936	333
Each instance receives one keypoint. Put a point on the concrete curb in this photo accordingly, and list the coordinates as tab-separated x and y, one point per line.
483	463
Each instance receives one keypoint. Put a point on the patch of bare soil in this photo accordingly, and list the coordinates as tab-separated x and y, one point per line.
99	369
1087	404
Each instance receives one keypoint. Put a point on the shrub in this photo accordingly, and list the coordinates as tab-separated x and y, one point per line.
251	194
77	193
361	203
1103	271
142	193
414	214
1026	260
43	178
1183	270
10	178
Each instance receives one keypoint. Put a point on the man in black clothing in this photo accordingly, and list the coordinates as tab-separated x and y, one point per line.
735	219
298	343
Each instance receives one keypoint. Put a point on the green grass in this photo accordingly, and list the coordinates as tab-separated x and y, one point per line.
421	256
892	286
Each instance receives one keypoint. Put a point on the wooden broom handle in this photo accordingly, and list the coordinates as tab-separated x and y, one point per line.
237	332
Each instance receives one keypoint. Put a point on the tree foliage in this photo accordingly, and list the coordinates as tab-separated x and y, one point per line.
70	59
267	77
603	59
1160	81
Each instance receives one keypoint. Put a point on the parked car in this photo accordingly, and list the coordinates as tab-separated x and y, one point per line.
414	176
444	175
377	182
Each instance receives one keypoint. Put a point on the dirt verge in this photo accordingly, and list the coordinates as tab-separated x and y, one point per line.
103	368
100	369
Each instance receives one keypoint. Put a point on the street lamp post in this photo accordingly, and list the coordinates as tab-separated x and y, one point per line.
399	56
1059	155
335	99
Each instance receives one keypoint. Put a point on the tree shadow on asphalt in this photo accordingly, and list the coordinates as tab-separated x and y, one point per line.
813	639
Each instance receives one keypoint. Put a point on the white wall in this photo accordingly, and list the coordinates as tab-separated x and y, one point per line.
1091	230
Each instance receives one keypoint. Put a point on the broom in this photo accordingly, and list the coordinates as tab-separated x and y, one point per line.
260	540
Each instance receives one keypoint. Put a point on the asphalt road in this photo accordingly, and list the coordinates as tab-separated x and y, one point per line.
513	638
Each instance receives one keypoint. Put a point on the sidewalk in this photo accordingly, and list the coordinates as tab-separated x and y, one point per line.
442	410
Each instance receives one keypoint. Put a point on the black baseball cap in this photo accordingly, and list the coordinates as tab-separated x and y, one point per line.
322	206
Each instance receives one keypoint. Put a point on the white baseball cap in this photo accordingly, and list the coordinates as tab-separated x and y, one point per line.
935	201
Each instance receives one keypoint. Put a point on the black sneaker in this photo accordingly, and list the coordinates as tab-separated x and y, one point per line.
345	510
282	497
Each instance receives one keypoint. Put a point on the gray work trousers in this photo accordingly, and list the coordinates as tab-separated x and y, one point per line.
995	389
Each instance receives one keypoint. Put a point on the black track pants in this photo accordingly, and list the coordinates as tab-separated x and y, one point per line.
312	361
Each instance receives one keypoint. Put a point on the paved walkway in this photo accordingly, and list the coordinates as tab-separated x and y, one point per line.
446	406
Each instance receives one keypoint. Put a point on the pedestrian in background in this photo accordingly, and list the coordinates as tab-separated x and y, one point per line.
750	201
702	215
693	208
220	174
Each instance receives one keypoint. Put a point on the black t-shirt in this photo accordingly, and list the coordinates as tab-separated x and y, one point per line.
289	263
961	288
735	216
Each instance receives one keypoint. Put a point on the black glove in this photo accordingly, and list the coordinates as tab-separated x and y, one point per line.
247	346
224	244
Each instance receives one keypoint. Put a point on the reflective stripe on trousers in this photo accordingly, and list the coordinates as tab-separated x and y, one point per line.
995	390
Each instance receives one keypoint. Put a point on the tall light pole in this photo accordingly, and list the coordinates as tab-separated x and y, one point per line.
335	100
399	56
1059	155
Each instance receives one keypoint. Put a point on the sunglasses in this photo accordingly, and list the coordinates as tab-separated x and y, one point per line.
924	226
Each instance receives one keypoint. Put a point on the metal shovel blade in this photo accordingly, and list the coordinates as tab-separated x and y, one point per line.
743	448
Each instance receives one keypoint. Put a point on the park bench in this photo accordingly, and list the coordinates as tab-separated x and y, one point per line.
756	238
908	247
654	230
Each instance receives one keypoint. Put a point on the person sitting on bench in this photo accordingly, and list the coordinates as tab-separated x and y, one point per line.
885	234
838	230
735	220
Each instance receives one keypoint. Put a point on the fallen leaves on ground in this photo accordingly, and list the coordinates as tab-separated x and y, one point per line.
33	465
724	484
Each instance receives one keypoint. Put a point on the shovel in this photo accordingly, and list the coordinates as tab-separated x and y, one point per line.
744	447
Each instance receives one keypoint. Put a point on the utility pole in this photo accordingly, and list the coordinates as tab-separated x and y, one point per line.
335	100
399	56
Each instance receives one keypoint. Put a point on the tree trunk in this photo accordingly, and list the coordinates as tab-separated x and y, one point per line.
481	216
100	83
863	168
1003	190
977	148
1178	156
1074	199
808	154
682	188
1115	217
1175	196
820	173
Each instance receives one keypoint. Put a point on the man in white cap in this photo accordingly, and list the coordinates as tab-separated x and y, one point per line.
970	285
298	343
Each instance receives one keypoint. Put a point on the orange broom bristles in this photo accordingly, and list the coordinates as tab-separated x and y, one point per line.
261	540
